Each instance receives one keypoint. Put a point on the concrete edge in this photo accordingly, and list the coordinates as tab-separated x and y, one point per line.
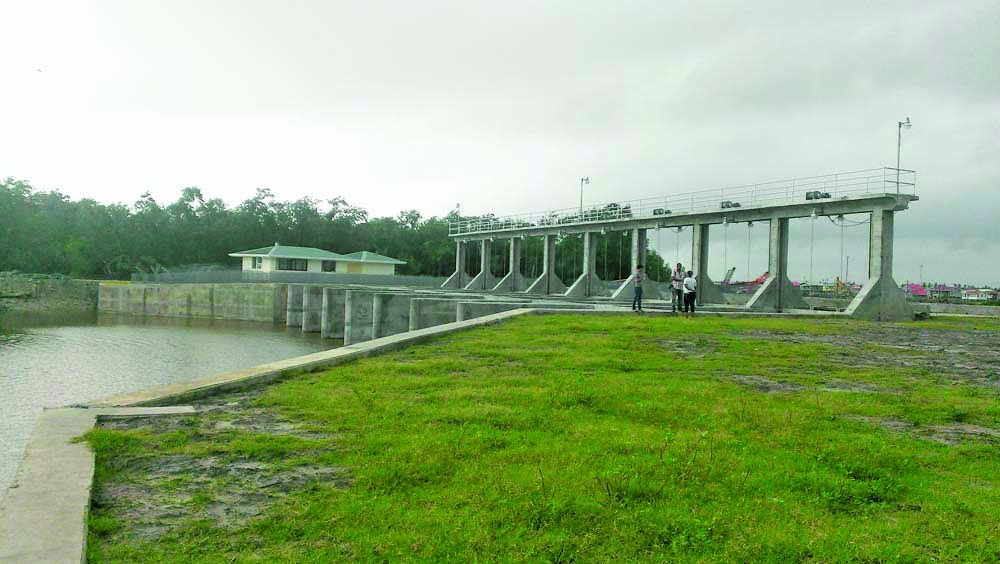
272	372
43	515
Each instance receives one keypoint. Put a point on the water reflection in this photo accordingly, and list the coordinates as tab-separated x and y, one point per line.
83	359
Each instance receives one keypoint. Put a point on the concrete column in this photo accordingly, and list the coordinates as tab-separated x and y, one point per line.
588	283
457	279
332	318
377	303
626	291
514	281
293	318
414	314
708	292
777	292
312	309
484	280
880	299
547	282
638	248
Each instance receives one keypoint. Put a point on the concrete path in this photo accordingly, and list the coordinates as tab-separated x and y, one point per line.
43	517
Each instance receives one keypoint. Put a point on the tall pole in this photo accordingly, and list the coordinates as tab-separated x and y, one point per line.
899	143
584	180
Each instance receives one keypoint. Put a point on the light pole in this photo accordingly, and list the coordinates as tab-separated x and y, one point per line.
584	180
899	143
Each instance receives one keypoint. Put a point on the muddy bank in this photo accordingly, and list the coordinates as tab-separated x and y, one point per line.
227	464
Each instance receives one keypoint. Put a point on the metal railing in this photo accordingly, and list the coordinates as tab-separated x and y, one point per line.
830	187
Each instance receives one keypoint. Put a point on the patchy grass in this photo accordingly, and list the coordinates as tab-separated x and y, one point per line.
585	439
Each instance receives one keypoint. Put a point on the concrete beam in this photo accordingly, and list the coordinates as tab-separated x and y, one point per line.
457	280
514	281
484	280
847	205
777	292
880	299
588	284
547	282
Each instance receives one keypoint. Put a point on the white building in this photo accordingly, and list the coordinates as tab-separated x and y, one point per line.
283	258
979	294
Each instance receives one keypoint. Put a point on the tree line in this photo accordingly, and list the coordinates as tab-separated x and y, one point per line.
47	232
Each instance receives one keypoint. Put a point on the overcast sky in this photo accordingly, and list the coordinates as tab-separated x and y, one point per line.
503	106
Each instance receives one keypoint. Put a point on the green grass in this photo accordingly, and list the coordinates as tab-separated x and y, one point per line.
594	439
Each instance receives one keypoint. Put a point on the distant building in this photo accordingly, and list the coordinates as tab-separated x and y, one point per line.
915	290
283	258
979	294
943	291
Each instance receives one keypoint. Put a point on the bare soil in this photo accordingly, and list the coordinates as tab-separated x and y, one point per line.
155	491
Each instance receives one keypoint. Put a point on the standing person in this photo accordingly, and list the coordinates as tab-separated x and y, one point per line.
677	288
637	298
690	291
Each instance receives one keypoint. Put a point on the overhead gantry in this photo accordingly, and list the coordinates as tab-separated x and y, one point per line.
880	192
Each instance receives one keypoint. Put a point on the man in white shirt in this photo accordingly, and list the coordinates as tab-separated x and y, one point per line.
690	291
677	288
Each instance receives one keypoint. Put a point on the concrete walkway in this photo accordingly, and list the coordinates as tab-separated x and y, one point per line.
43	517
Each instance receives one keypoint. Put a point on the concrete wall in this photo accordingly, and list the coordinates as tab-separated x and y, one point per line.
243	302
393	314
358	316
963	308
52	290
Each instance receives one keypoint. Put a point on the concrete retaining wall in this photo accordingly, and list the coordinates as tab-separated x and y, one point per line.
241	302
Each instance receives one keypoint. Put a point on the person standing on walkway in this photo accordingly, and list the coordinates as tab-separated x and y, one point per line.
637	298
690	291
677	288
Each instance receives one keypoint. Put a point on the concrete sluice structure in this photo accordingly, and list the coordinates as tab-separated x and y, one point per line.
878	192
352	313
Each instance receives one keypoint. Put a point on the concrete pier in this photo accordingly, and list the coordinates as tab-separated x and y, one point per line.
777	292
332	318
514	281
484	280
880	299
626	291
708	292
588	284
312	309
547	282
457	280
296	293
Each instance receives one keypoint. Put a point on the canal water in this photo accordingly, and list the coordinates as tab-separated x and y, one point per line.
70	359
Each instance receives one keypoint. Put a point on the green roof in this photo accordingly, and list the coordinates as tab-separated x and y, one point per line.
285	251
368	256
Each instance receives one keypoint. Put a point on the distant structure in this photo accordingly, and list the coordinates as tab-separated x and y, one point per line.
284	258
879	192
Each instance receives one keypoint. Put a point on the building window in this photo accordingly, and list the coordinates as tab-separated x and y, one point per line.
258	263
292	264
329	266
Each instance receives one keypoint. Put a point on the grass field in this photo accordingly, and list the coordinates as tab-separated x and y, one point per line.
584	439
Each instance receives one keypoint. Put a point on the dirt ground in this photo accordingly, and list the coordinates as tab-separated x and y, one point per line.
158	491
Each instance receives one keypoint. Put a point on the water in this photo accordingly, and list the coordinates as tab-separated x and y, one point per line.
85	357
